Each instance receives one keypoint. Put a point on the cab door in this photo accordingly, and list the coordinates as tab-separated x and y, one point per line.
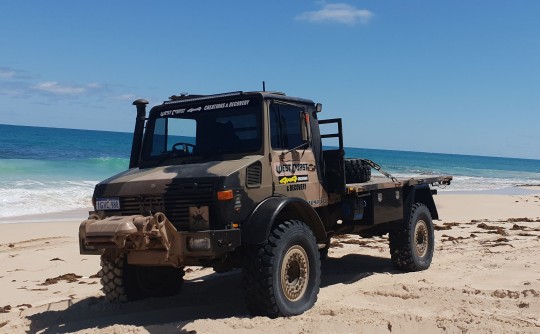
294	169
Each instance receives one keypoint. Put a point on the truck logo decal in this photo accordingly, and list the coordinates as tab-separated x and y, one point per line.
293	179
206	107
226	105
296	187
199	218
172	112
292	168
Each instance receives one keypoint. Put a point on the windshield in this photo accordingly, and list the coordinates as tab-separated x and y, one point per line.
204	130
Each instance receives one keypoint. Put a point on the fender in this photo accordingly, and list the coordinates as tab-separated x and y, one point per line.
419	194
258	226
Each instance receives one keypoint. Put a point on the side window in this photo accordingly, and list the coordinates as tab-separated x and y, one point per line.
285	126
159	143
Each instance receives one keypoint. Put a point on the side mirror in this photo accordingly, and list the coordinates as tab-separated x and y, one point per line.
318	107
304	126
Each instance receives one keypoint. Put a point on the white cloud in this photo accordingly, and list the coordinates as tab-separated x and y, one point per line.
5	73
94	85
19	83
339	13
56	88
126	97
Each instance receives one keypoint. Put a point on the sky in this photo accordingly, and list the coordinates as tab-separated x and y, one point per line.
457	77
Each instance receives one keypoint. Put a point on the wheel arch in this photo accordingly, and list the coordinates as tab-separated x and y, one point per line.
272	211
420	194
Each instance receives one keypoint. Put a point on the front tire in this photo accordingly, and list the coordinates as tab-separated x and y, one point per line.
122	282
412	246
323	252
282	277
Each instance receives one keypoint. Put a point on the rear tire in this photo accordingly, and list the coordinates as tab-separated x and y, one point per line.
122	282
412	246
357	171
282	277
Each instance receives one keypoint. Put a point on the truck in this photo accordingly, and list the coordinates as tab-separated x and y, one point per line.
242	180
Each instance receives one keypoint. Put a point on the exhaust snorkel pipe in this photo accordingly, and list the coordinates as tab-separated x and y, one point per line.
138	133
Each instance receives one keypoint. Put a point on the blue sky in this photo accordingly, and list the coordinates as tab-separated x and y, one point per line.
433	76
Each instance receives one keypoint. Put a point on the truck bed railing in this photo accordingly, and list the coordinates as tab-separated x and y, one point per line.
338	135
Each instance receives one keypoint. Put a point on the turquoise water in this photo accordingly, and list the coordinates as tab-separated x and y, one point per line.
48	170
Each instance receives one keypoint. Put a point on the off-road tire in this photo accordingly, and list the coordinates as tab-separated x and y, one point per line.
282	276
122	282
412	246
111	274
357	171
323	252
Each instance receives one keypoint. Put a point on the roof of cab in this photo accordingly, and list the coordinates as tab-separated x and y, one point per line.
184	97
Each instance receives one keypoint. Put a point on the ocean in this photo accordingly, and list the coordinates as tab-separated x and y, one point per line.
45	170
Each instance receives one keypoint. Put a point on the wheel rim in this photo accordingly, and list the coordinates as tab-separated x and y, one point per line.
294	273
421	238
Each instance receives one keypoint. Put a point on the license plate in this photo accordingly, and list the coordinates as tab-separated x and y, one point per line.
111	203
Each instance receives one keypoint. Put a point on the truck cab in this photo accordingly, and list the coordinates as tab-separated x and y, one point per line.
207	162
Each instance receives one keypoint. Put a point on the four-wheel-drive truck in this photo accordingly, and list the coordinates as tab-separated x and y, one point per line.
242	180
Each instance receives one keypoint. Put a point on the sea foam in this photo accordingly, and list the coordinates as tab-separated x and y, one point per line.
27	196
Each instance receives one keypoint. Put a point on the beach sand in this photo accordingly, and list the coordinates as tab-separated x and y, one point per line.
485	278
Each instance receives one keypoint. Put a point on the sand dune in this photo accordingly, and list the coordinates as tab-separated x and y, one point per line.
484	278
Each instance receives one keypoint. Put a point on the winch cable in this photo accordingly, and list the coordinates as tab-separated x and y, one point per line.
380	170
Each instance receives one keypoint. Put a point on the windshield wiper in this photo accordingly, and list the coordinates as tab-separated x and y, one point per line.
173	155
163	158
282	155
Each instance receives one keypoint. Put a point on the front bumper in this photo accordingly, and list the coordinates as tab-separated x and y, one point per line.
153	240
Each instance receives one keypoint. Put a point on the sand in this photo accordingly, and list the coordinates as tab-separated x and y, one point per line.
485	278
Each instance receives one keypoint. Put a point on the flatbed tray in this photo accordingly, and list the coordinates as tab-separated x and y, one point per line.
379	182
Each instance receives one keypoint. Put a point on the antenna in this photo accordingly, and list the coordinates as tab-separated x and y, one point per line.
264	86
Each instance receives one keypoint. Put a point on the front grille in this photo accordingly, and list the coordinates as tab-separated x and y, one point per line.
142	205
174	203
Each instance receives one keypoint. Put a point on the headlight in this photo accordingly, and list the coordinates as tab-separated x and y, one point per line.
199	243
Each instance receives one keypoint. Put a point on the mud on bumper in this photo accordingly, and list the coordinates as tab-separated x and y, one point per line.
153	240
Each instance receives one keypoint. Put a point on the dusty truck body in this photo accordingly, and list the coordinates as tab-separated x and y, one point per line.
242	180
